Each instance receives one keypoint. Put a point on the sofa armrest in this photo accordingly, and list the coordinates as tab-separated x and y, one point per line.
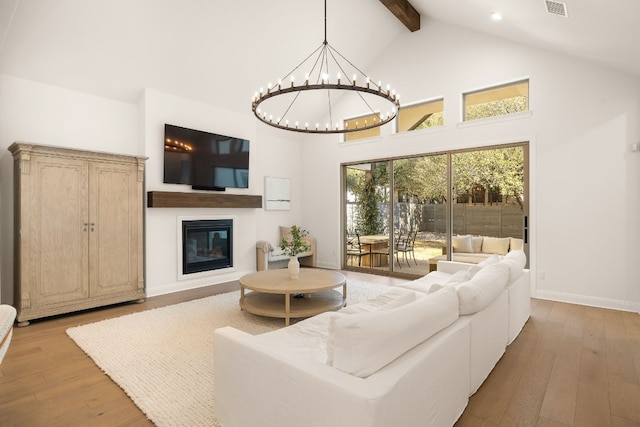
280	392
256	386
264	246
310	261
262	255
451	267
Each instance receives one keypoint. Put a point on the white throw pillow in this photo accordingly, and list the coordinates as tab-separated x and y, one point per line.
392	298
361	344
462	244
477	293
493	259
495	245
516	244
285	233
515	260
458	277
476	243
435	288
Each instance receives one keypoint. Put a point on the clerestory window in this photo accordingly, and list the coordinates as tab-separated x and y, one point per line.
423	115
359	122
496	101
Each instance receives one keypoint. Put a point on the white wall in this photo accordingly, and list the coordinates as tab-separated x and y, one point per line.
585	182
269	156
44	114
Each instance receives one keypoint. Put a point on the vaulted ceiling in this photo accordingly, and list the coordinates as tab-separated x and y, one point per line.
209	50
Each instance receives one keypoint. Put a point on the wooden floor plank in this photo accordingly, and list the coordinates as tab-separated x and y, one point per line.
593	400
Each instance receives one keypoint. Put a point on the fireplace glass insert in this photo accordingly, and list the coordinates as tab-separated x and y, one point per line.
207	245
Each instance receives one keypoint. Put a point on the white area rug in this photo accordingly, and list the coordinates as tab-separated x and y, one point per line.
163	358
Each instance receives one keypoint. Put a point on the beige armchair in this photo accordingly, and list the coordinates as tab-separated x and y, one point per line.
269	256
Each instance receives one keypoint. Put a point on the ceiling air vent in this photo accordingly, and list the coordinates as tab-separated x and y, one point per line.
556	8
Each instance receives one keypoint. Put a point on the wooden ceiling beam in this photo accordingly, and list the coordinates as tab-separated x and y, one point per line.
406	13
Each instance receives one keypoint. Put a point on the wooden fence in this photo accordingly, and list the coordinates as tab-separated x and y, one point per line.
503	220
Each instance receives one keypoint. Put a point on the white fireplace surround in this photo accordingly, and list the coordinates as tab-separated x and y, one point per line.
179	221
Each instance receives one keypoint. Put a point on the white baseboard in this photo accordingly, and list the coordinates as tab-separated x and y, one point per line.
589	301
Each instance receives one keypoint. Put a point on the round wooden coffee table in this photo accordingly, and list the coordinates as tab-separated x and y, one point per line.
274	294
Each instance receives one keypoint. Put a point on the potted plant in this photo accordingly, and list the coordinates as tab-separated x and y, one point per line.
294	246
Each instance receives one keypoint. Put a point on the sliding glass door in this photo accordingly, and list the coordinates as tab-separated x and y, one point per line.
488	202
419	212
402	216
367	215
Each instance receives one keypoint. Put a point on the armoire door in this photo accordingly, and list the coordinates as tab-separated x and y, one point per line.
57	231
115	228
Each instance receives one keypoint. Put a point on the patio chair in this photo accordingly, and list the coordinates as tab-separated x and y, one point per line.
407	247
397	243
356	249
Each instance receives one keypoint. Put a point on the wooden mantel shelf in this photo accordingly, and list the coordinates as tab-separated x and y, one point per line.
170	199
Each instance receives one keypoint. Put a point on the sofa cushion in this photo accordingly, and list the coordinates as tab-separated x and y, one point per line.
361	344
477	293
476	243
516	244
515	260
462	243
392	298
285	233
493	259
424	283
457	277
496	245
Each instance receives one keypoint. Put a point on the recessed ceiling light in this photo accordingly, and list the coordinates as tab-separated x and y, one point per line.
496	16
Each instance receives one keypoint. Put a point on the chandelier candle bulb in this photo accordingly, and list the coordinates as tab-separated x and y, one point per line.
338	79
354	79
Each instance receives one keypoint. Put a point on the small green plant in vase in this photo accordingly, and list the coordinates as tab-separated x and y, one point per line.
293	246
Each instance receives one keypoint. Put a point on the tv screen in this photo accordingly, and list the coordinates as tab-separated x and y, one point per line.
204	160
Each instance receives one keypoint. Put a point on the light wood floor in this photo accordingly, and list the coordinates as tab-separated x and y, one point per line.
571	366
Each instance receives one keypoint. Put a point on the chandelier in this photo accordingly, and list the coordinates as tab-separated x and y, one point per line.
328	76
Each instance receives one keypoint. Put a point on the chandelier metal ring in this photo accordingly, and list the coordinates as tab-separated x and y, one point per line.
327	61
296	127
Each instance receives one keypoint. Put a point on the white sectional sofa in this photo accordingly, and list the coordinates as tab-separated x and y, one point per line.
411	356
475	249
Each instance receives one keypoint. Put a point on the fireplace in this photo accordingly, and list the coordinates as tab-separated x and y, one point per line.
207	245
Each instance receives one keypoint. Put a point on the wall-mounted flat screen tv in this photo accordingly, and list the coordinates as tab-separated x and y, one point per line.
204	160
